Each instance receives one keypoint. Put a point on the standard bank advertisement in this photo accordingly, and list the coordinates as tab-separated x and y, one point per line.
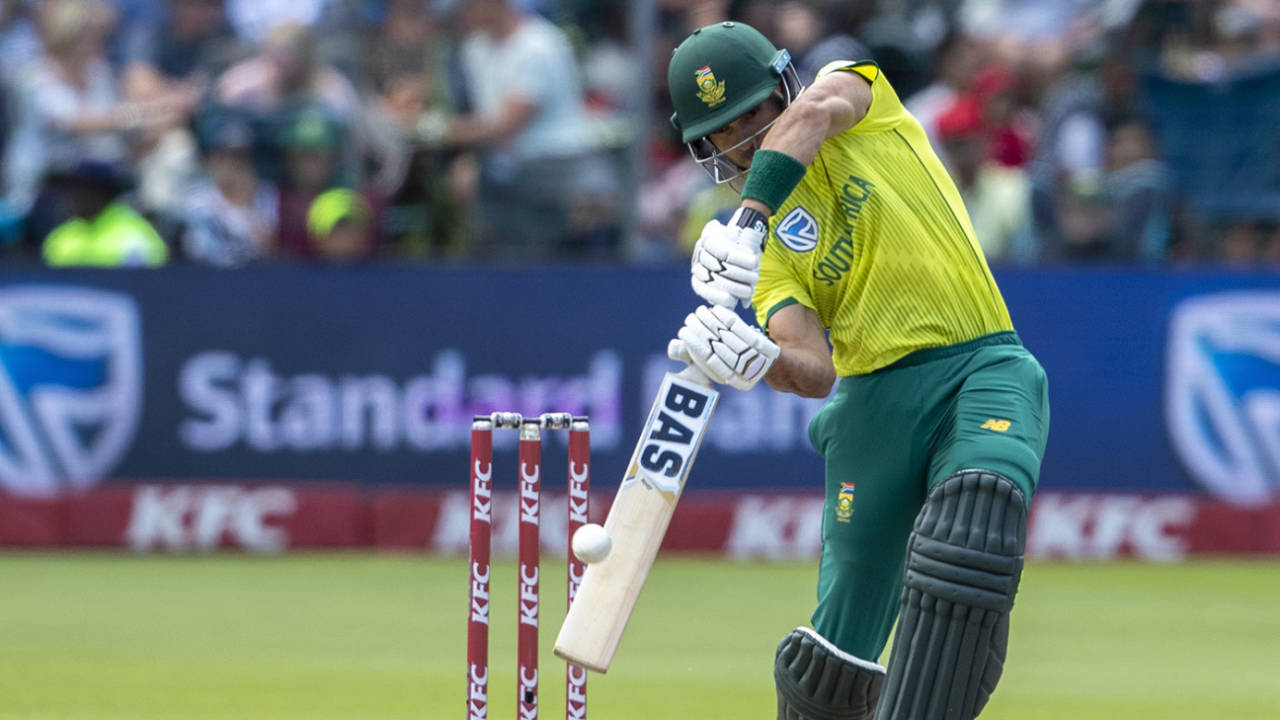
1161	382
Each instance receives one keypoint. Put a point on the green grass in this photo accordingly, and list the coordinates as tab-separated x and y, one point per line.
367	636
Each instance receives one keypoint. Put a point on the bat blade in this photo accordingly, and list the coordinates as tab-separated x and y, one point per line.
638	520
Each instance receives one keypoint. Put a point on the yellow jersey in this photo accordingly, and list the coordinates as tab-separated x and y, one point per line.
875	239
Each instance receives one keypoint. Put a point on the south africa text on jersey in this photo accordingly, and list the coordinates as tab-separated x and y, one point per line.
839	257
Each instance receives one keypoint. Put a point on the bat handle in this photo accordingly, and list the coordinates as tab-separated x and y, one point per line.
745	217
691	371
748	217
694	375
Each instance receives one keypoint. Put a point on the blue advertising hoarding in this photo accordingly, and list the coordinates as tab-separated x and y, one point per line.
1159	380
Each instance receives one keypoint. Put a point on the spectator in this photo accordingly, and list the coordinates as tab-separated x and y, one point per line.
287	75
286	72
1070	156
421	219
104	231
678	190
800	27
19	40
68	107
192	41
1080	223
409	47
340	227
311	142
126	17
1211	41
997	197
529	125
1139	188
168	52
310	146
1127	213
407	59
230	218
256	21
956	62
817	32
19	47
66	102
1008	141
759	14
612	70
1019	26
406	64
900	51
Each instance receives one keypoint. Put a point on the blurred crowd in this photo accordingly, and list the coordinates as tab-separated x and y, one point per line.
1077	130
224	132
229	132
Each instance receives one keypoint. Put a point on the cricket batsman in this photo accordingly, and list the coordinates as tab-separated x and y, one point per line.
867	276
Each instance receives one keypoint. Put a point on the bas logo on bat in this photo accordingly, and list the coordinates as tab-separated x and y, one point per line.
672	434
638	519
666	445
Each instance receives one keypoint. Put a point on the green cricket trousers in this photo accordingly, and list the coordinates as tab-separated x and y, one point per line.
892	435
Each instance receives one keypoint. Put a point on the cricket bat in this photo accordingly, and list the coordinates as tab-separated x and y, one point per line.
638	519
641	510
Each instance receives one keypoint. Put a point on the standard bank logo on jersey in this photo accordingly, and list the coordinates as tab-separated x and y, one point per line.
798	230
1223	394
70	385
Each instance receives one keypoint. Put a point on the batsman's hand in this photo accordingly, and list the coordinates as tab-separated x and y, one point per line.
726	262
726	349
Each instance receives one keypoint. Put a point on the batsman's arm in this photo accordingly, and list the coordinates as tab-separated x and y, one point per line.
804	366
832	105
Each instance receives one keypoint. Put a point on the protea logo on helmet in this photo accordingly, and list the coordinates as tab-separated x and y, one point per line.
710	90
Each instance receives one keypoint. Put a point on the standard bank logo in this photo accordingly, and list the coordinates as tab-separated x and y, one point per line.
70	385
798	230
1223	393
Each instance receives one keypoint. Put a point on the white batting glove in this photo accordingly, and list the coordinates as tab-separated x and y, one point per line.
726	262
726	349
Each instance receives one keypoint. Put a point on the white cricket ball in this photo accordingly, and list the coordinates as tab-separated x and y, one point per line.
591	543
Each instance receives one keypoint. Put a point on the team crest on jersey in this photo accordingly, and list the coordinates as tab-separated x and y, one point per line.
844	503
798	230
710	90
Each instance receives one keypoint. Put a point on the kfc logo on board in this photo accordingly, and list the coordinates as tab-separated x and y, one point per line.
205	518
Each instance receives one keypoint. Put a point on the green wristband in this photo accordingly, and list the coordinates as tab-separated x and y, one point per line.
772	177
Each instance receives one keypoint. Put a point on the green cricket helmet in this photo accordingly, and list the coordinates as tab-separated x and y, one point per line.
717	74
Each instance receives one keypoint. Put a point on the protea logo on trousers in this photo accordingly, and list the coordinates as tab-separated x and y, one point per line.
70	385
